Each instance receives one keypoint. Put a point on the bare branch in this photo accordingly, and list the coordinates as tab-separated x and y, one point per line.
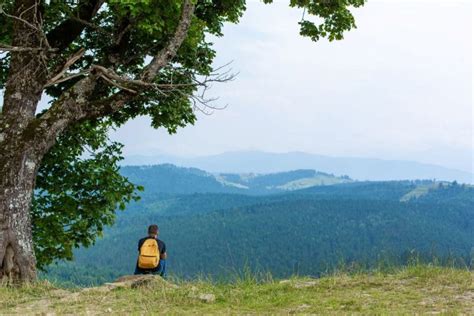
68	77
124	83
19	17
35	24
116	84
9	48
75	57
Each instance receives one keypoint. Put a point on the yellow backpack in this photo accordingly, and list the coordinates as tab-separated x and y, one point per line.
149	257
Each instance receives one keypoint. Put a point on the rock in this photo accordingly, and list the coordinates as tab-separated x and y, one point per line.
131	278
207	298
304	284
300	309
141	281
133	281
299	284
144	283
60	292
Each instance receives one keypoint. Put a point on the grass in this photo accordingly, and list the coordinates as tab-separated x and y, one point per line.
416	289
420	190
310	182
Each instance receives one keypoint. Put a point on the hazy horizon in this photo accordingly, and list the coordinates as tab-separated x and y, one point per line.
258	162
250	151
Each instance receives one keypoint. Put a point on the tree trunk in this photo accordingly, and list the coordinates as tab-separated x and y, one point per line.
17	259
19	159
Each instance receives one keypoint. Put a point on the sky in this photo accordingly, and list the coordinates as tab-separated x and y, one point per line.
397	87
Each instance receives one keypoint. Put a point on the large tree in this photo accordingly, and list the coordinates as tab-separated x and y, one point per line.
101	63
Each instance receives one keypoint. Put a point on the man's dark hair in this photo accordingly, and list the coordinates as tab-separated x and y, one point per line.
153	229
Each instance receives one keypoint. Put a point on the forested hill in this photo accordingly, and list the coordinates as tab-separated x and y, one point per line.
209	230
171	179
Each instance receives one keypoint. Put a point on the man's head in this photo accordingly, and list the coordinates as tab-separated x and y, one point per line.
153	230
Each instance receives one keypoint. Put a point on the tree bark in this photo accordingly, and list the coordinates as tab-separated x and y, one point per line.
18	160
17	260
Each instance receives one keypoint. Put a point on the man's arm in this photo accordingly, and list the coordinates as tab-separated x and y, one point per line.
163	254
139	245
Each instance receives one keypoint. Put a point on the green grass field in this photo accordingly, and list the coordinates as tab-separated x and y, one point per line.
411	290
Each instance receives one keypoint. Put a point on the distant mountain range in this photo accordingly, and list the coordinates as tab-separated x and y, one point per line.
356	168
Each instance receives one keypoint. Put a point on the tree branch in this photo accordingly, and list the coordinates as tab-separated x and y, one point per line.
56	78
9	48
75	104
165	55
126	84
20	16
66	32
31	18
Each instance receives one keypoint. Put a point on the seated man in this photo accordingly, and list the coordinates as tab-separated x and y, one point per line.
151	254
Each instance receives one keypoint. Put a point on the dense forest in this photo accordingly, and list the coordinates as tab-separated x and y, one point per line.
216	229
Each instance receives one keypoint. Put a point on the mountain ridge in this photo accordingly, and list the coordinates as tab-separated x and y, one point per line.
169	178
370	169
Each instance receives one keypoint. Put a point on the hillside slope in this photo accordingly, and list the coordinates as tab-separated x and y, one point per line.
413	290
